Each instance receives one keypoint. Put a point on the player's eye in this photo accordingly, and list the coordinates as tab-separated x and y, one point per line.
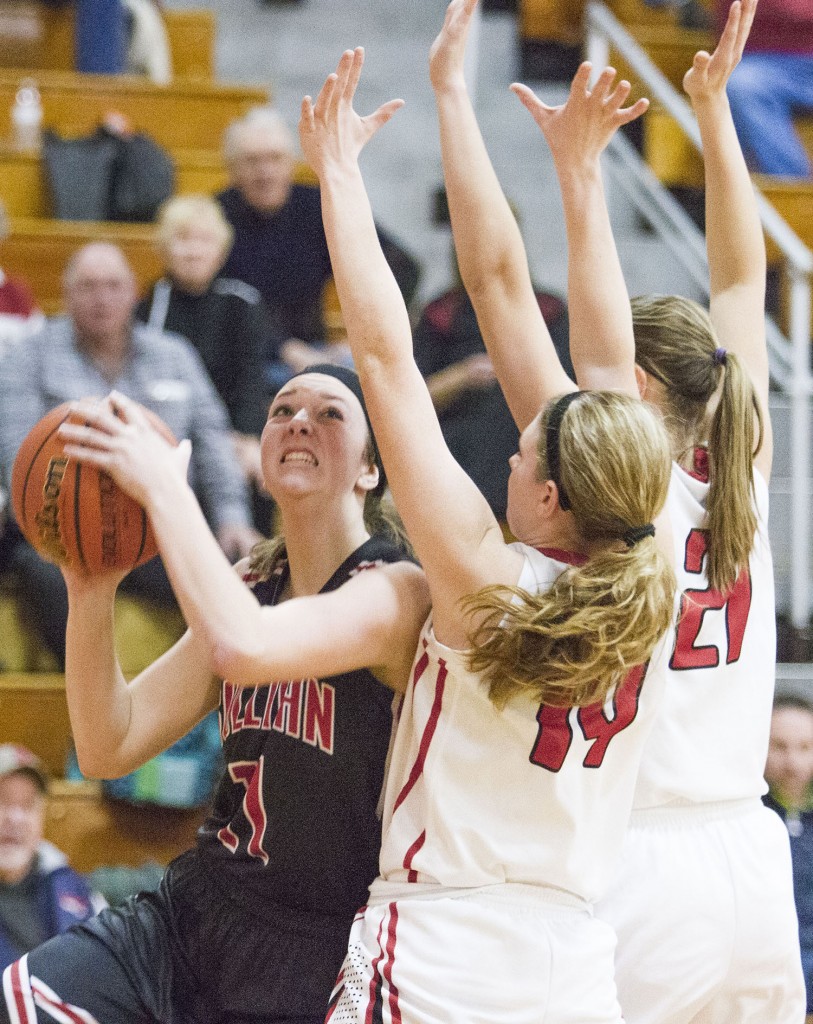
281	410
331	412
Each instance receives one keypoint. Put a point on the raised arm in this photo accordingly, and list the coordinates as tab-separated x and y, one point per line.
372	621
455	534
734	238
490	251
602	346
117	725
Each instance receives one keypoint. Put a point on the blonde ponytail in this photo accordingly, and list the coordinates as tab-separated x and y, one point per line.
675	343
574	643
730	516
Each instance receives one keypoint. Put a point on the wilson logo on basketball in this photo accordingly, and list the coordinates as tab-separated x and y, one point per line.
74	514
47	518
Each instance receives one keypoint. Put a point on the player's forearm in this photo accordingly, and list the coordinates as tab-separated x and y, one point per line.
375	315
96	690
215	603
734	238
492	262
602	345
487	239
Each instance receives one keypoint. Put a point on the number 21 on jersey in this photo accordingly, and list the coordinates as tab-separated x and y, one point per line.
695	603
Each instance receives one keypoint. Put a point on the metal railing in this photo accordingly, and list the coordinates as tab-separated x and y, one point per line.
789	357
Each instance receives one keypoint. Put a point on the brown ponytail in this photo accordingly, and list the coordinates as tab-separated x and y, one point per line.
574	643
675	343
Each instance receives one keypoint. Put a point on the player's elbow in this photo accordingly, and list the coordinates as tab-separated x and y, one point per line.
94	764
235	659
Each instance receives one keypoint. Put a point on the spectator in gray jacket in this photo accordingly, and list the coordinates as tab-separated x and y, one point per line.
95	348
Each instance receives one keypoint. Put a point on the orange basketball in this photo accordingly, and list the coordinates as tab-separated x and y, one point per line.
74	514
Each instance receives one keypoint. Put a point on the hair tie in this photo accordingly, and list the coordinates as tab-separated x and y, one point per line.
636	533
552	448
720	356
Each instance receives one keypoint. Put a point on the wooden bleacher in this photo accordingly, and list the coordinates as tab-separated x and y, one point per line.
24	188
544	25
34	712
183	115
35	36
91	829
94	831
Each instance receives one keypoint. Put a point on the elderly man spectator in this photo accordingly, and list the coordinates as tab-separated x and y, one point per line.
95	348
773	82
40	895
279	244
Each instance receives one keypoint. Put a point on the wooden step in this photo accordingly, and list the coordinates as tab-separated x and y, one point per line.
183	115
94	831
36	36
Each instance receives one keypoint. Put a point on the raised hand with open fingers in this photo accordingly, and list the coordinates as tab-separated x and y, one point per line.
331	133
709	74
448	53
578	130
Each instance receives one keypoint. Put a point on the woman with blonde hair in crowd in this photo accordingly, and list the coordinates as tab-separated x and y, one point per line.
702	901
224	319
518	743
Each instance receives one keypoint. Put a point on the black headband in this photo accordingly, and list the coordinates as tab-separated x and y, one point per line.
351	381
552	446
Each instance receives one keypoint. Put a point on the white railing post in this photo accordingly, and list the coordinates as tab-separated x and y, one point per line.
800	390
597	49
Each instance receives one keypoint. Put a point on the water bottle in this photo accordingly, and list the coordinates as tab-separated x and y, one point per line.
26	116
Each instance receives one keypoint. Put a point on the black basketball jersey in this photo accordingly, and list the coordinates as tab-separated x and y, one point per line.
295	818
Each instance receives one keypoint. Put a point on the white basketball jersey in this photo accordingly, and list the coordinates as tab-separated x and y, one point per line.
710	741
532	794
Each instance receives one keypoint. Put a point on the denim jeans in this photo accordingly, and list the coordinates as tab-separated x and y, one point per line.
765	91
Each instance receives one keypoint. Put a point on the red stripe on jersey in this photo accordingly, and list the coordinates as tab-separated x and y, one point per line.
395	1010
21	1004
560	555
228	838
410	856
374	976
49	1001
429	731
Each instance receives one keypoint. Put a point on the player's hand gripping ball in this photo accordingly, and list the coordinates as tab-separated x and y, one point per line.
76	515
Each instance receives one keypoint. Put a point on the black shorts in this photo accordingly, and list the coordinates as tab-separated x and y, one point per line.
187	954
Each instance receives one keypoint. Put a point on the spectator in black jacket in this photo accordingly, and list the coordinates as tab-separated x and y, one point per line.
279	243
225	319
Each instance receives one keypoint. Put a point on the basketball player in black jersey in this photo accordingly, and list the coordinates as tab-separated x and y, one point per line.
302	655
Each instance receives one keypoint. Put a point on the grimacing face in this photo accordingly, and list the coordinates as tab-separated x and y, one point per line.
22	820
315	440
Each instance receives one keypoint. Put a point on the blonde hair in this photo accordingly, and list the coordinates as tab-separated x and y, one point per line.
675	343
178	214
573	644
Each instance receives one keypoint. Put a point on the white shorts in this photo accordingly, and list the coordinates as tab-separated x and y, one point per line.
706	923
507	954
